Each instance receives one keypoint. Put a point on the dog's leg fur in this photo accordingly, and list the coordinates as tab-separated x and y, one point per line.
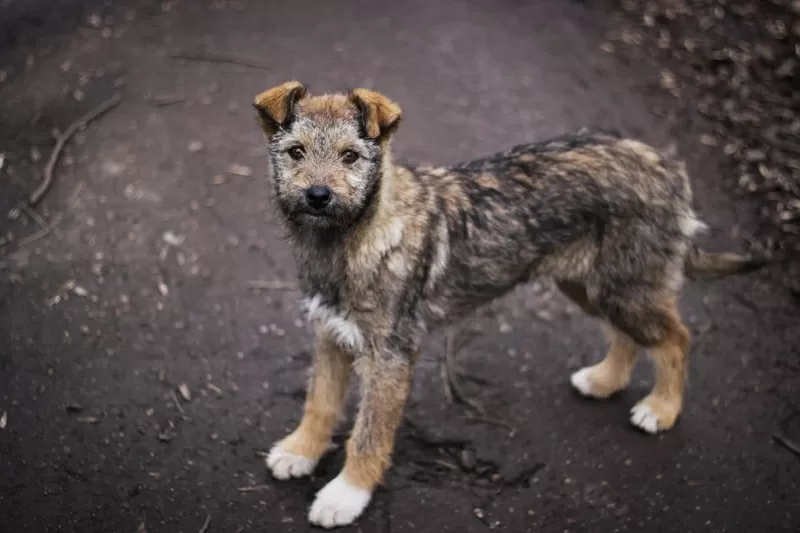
614	372
653	322
385	383
298	453
611	374
659	410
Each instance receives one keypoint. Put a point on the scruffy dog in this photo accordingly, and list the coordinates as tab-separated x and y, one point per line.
386	253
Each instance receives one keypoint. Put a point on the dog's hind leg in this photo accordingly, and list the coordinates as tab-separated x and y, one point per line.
612	373
653	322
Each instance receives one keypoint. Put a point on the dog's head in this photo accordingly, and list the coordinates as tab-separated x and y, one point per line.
327	151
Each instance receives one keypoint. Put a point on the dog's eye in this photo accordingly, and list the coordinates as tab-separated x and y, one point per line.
349	157
296	153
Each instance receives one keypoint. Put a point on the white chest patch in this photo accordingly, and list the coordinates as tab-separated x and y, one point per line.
344	330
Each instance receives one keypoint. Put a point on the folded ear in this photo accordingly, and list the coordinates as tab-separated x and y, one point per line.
276	106
379	116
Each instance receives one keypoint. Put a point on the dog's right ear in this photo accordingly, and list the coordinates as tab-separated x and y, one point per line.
275	106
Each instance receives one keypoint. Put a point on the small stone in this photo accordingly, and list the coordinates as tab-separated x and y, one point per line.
467	459
195	146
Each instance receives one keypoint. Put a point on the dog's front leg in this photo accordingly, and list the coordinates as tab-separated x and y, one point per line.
385	383
298	453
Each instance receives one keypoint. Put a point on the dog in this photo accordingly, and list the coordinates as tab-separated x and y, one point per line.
386	253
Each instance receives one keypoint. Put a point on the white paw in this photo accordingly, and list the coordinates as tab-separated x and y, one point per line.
338	504
582	382
644	417
285	465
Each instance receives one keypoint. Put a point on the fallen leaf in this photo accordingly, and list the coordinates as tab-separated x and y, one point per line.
80	291
708	140
183	388
240	170
173	239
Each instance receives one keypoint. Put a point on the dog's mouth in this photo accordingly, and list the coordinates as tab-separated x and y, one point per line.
328	217
336	215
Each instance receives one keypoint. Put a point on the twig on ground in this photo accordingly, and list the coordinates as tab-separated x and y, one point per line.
786	443
490	420
272	285
30	239
454	393
452	387
177	403
254	488
205	524
62	140
164	101
217	57
36	217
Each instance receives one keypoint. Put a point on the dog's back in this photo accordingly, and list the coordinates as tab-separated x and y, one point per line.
590	208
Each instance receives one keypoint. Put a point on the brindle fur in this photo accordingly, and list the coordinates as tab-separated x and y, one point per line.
401	251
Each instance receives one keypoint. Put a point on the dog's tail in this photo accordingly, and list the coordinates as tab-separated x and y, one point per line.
705	266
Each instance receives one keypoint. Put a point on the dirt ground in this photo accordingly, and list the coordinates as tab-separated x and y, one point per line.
143	374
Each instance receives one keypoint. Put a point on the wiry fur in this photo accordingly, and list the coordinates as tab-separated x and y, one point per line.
400	251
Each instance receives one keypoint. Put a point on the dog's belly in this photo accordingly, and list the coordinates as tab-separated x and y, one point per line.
458	298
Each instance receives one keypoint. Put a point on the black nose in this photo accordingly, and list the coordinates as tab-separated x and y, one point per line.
318	197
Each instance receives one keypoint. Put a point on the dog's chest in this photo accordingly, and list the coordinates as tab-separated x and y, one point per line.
337	319
333	306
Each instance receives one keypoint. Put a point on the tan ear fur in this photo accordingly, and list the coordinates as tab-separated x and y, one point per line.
379	115
275	105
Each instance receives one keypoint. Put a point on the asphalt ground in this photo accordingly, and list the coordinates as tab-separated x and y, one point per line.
142	377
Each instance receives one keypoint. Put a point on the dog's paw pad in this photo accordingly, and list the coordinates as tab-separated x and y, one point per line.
582	381
338	504
285	465
643	417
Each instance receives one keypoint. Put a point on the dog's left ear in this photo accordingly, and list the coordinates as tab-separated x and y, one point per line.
379	116
276	106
